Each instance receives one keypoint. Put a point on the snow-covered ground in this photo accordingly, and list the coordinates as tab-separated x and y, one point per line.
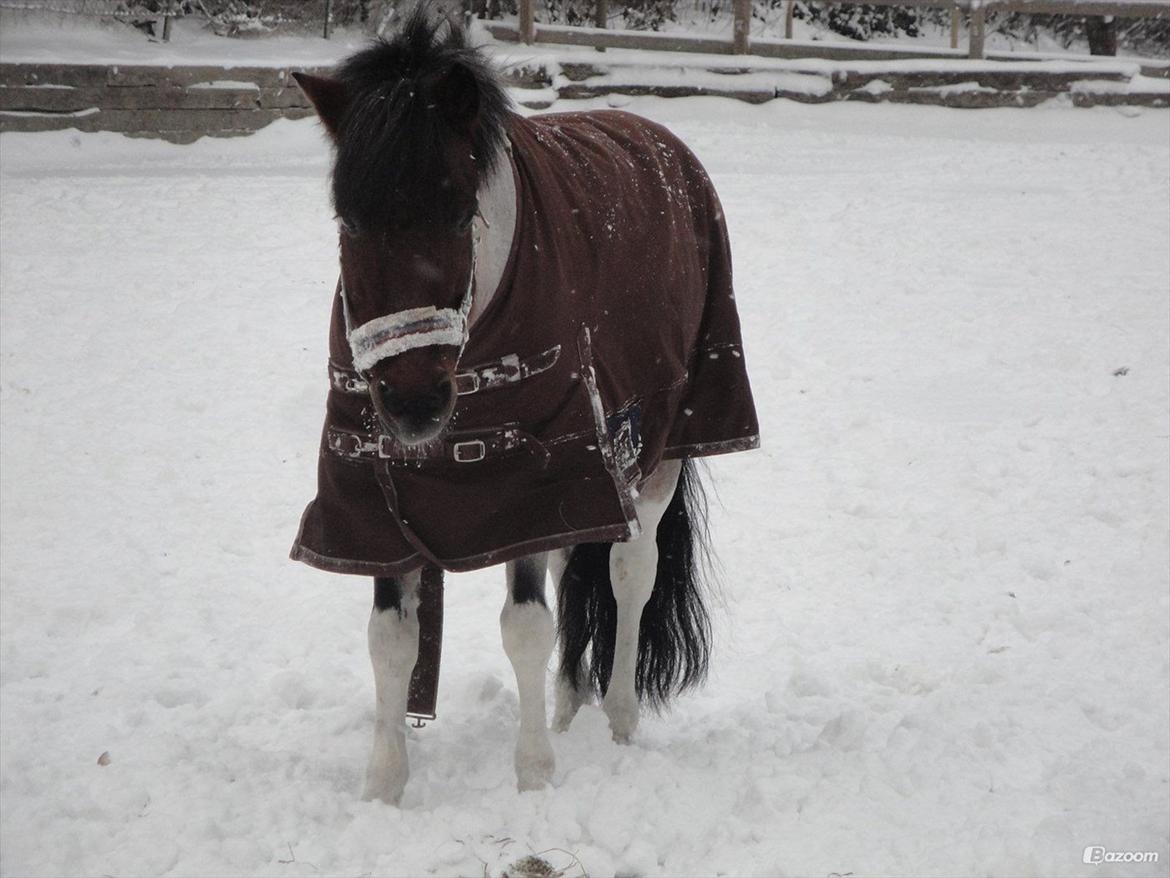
943	637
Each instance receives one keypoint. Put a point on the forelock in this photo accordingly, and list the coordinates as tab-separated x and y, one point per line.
395	141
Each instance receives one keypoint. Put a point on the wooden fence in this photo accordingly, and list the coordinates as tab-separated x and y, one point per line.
975	11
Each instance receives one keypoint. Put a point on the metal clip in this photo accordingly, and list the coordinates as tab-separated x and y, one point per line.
345	444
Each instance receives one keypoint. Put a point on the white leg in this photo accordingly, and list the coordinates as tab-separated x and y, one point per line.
568	698
632	568
527	628
557	562
393	635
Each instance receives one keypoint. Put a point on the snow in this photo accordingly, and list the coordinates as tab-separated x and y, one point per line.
1136	85
876	87
653	76
74	114
226	84
942	638
36	38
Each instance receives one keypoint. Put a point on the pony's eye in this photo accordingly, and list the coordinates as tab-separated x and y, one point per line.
467	219
347	228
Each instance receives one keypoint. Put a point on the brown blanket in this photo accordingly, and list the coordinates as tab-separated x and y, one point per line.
612	343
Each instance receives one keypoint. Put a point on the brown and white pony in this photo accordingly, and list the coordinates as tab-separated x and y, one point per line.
426	202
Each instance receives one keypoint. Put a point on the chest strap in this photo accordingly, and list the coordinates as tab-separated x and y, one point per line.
460	448
489	376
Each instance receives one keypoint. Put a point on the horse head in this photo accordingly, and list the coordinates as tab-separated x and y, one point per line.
417	124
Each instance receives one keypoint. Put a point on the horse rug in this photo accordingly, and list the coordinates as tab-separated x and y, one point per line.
612	343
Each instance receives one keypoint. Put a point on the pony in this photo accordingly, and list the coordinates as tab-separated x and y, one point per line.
533	333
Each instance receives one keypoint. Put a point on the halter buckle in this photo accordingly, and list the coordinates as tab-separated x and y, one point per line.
471	451
466	382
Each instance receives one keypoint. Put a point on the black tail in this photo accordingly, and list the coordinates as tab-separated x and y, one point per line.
675	639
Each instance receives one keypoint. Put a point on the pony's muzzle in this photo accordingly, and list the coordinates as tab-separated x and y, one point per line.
414	417
421	406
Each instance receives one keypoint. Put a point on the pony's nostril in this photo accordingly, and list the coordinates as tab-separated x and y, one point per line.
422	406
390	400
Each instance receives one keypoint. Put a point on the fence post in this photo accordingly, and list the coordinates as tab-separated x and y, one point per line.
788	15
978	21
169	11
527	22
954	27
328	30
742	10
601	17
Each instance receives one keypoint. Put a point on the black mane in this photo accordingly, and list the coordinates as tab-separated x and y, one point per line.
404	96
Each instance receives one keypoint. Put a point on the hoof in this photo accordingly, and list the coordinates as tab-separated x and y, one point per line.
569	701
382	793
534	766
563	718
383	784
623	717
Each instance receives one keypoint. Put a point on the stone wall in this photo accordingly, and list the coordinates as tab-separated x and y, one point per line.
175	103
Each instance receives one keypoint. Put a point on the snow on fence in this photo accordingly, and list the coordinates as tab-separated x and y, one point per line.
179	104
526	29
183	103
186	101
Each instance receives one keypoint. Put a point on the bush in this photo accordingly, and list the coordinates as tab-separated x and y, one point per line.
648	14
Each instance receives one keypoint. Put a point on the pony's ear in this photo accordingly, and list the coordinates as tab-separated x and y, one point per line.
457	94
328	97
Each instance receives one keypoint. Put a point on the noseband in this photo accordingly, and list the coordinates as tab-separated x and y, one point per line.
401	331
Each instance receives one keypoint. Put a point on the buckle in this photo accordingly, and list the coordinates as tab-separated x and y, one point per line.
466	382
345	444
345	381
471	451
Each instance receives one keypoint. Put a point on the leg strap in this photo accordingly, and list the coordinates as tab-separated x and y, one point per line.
423	695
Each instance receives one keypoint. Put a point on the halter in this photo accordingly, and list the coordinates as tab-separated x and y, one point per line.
401	331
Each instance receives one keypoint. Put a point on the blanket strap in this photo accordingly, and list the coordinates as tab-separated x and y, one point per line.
423	693
470	447
623	469
488	376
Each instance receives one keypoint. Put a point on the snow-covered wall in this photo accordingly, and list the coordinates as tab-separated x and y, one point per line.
182	103
178	103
